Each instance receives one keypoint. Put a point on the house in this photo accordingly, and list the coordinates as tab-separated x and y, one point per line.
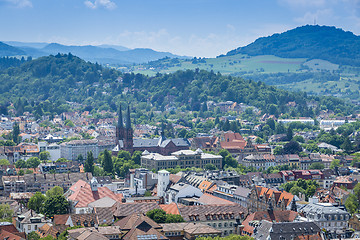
287	231
325	215
260	197
181	190
354	222
81	194
220	217
30	221
271	215
190	231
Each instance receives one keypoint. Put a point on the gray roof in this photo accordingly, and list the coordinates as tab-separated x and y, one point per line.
242	191
103	202
285	231
321	210
160	142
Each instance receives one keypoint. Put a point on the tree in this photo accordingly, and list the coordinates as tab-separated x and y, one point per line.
292	147
6	213
4	162
20	163
335	163
352	203
33	236
56	205
16	132
36	202
136	157
21	172
210	166
174	218
347	146
33	162
55	191
62	160
158	215
296	190
89	163
107	162
289	133
278	150
124	154
45	155
317	165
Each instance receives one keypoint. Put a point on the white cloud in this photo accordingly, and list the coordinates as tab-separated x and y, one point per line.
18	3
108	4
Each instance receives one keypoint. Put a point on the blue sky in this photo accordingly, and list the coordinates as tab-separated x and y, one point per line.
203	28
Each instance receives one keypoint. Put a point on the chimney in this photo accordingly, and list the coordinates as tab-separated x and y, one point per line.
34	176
45	176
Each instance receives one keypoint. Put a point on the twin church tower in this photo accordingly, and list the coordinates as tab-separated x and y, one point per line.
124	135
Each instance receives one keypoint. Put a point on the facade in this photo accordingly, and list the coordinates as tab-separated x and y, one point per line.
71	150
189	231
325	215
181	190
30	221
220	217
41	182
53	149
183	158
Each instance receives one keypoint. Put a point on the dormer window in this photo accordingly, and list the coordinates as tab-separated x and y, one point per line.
78	223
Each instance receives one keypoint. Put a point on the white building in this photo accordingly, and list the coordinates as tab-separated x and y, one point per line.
301	120
163	182
30	221
325	215
52	148
71	150
182	190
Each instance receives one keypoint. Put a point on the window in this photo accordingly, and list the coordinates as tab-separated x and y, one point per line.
35	227
220	225
29	227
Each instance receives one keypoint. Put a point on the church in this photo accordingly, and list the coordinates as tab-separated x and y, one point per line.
125	140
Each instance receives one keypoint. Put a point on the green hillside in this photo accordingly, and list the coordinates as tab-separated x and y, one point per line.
45	85
310	41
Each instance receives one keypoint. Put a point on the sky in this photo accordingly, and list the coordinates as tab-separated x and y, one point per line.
202	28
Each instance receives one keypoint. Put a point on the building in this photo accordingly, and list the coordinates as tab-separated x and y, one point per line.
30	221
59	167
300	120
81	194
287	231
180	191
260	197
220	217
325	215
183	158
53	149
41	182
189	231
126	141
71	150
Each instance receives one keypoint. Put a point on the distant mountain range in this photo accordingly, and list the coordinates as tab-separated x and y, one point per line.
311	41
104	54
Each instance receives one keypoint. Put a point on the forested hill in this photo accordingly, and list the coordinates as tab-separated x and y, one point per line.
310	41
43	86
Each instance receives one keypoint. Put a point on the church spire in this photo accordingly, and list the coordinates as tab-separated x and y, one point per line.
128	121
120	120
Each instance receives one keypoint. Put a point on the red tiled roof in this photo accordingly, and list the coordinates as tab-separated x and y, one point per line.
9	236
170	208
83	195
210	199
60	219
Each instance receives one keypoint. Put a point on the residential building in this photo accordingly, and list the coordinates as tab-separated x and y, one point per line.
325	215
189	231
287	230
220	217
301	120
41	182
71	150
30	221
181	190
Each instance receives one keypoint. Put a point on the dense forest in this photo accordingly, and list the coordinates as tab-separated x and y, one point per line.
47	85
310	41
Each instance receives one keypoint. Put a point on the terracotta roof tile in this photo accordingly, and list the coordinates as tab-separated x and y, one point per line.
170	208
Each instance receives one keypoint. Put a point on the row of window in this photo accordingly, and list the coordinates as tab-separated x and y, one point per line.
220	225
